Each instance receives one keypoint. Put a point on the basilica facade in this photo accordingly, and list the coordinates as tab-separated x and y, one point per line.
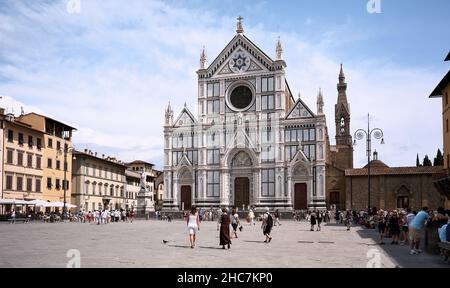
252	143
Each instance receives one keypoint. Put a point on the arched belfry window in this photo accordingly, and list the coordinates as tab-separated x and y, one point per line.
342	125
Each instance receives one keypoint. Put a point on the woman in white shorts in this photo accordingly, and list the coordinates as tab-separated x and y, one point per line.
193	225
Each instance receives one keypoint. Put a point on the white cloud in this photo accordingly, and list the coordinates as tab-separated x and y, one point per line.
111	69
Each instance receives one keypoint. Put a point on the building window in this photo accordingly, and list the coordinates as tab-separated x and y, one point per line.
193	157
20	139
58	145
30	141
312	134
19	184
57	184
39	143
49	163
176	157
268	182
213	184
290	152
267	102
214	89
267	84
93	188
30	160
213	156
29	184
9	182
213	107
94	170
38	162
19	158
49	183
268	154
58	164
9	157
38	185
50	143
10	136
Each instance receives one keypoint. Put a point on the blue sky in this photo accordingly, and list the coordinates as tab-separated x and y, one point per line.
111	69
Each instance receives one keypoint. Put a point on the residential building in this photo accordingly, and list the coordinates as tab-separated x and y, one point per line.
22	159
98	182
442	91
57	158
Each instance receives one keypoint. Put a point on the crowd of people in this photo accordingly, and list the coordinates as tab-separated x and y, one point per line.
104	216
403	227
225	219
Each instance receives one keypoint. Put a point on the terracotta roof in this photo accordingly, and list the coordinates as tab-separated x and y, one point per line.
46	117
377	164
377	171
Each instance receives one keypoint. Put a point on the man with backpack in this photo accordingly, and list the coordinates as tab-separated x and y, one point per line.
267	225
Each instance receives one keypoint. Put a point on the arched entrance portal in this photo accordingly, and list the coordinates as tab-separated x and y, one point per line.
241	180
241	192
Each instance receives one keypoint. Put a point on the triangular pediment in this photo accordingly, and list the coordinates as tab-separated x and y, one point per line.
184	161
300	110
342	109
186	118
240	56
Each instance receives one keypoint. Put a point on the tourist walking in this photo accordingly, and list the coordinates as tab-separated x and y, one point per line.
312	218
404	223
267	225
319	220
394	227
234	221
193	225
381	225
416	228
348	219
131	215
224	222
251	217
277	218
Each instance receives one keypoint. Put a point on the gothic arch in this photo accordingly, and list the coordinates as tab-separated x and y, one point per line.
403	190
232	153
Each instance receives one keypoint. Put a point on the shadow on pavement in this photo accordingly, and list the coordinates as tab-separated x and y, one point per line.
210	247
250	241
400	254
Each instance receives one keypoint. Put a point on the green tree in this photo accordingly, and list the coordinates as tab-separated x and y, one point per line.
427	161
418	161
439	159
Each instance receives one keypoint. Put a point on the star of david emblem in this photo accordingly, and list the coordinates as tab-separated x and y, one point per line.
240	62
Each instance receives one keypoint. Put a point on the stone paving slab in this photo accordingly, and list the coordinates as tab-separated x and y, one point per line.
140	244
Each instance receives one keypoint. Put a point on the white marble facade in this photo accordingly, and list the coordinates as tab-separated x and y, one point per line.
252	143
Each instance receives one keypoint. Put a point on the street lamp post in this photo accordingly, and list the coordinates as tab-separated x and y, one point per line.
376	133
66	150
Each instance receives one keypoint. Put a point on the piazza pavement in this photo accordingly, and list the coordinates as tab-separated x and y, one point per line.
140	244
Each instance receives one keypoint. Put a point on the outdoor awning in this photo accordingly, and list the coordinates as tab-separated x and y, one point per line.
13	202
37	202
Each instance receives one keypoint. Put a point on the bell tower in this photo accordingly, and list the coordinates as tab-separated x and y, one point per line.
342	113
344	145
